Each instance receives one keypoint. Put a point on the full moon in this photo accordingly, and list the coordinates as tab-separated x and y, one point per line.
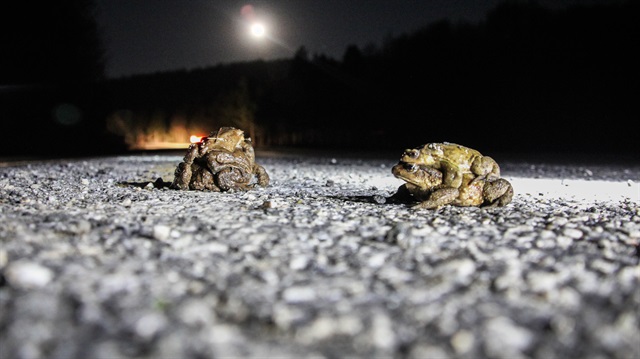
258	30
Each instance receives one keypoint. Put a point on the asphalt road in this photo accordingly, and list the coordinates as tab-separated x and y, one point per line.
97	261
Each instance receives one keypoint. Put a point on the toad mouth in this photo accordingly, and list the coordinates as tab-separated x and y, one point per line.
408	168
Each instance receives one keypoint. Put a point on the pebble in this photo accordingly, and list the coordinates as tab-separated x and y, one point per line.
377	260
572	233
299	262
462	341
28	275
161	232
382	333
4	258
149	325
299	294
508	339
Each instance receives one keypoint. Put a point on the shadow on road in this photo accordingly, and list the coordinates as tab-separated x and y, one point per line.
158	183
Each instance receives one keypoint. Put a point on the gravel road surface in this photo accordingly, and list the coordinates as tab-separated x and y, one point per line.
98	259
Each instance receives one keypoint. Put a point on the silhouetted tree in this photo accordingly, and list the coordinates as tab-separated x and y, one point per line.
352	60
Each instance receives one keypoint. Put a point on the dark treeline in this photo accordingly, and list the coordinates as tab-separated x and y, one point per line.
525	79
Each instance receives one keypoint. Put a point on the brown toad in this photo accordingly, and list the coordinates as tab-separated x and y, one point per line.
221	162
425	184
446	173
453	161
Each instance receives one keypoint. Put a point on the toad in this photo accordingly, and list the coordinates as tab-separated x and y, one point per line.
453	161
425	185
223	161
438	174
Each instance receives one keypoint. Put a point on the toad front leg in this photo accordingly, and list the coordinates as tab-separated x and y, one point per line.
261	174
184	171
451	175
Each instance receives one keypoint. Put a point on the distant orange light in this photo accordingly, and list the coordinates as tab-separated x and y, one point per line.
195	138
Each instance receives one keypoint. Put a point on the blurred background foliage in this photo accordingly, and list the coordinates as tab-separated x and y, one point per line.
524	79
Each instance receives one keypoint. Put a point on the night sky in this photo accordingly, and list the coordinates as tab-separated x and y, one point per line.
146	36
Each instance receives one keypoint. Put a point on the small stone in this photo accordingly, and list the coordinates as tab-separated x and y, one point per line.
464	270
505	337
28	275
149	325
421	351
299	294
321	329
628	276
377	260
161	232
604	267
4	258
560	221
299	262
196	313
543	282
564	242
382	333
462	341
572	233
379	199
81	227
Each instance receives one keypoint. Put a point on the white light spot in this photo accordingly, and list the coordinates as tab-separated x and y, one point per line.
258	30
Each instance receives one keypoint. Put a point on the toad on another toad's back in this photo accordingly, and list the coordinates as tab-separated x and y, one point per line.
453	161
223	161
438	174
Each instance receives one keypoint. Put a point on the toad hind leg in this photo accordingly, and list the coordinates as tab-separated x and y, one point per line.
439	198
232	178
497	193
485	167
202	179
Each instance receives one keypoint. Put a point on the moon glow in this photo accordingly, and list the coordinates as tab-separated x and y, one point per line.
258	30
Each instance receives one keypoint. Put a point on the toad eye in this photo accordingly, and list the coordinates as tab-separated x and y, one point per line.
412	153
410	167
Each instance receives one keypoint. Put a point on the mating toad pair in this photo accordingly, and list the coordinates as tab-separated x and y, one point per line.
436	174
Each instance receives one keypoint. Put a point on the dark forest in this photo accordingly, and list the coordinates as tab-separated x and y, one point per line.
526	79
